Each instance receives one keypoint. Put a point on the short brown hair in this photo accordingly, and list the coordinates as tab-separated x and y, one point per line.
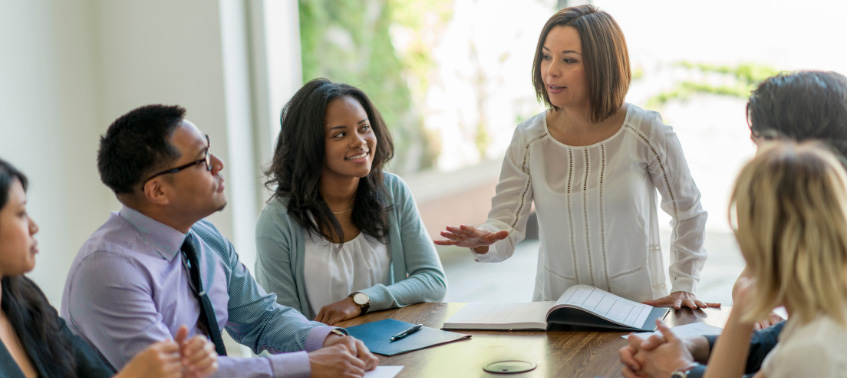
605	57
802	105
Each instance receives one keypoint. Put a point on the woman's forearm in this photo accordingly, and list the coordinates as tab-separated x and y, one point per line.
730	353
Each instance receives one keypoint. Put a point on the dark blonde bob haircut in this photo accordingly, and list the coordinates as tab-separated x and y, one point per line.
789	213
604	55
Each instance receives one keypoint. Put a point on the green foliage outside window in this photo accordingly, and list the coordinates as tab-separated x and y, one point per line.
350	42
744	79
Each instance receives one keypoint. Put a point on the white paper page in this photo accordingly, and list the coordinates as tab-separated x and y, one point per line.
502	313
384	372
608	305
686	331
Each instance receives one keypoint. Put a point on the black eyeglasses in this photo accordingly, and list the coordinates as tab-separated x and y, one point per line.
207	159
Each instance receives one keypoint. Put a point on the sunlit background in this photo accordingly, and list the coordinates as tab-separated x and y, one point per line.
451	78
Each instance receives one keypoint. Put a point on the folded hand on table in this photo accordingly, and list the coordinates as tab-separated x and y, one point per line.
338	311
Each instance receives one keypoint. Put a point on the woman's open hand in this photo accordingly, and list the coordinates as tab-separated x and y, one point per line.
471	237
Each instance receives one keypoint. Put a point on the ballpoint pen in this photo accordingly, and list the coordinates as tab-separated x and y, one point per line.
407	332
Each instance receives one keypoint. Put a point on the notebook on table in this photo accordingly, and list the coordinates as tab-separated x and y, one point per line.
377	335
579	305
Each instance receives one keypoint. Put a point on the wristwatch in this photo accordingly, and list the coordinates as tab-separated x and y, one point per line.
683	371
362	300
338	332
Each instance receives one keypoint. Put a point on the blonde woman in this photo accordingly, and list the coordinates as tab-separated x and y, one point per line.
789	212
797	106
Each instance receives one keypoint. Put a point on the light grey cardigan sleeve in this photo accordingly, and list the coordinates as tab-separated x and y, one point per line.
279	257
417	272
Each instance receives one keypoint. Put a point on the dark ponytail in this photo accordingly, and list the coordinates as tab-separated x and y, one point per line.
37	325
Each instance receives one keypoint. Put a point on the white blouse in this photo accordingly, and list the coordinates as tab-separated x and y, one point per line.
596	208
815	349
334	271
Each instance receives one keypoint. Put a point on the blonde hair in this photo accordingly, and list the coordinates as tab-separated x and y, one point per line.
789	207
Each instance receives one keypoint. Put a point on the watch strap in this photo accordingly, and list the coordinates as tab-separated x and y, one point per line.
365	306
683	371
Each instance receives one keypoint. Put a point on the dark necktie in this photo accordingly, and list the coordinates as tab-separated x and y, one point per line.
207	313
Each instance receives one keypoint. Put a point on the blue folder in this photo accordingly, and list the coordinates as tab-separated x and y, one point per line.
376	337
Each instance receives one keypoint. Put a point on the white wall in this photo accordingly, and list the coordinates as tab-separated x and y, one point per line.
68	69
49	125
169	52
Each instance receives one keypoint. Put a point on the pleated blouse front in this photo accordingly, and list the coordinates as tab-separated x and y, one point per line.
596	209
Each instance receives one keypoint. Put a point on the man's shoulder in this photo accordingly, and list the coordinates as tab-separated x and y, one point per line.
116	236
114	254
205	228
209	234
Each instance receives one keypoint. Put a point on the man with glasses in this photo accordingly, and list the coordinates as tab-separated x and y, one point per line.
157	263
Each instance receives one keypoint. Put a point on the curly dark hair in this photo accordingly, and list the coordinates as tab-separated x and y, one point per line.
295	170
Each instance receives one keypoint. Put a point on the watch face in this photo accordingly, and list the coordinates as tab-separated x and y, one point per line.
361	299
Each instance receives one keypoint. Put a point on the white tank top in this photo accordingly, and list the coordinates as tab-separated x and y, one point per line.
334	271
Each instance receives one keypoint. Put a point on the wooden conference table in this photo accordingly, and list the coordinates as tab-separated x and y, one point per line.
557	353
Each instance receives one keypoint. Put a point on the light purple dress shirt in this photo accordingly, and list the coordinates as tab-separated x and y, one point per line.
127	289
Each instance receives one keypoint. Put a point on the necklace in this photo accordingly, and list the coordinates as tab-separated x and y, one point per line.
341	212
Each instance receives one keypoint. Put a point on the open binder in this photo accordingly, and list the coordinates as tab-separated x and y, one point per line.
579	305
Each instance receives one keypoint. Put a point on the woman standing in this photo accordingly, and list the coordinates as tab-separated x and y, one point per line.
592	164
339	236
